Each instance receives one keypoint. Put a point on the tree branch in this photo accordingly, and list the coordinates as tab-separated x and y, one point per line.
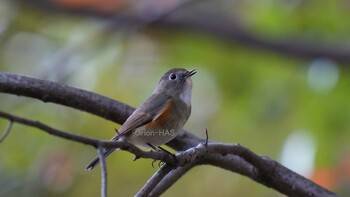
228	156
170	179
121	144
6	132
272	173
48	91
154	180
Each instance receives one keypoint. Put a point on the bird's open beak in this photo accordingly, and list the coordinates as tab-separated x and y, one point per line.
191	72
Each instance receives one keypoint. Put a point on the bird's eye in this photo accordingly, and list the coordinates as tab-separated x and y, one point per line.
172	76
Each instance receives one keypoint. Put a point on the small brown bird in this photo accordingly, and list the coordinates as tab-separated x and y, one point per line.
160	118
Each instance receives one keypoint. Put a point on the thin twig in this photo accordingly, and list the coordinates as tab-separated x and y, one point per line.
122	144
103	172
6	132
206	137
154	180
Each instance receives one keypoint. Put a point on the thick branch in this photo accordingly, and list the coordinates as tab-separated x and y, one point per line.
272	173
48	91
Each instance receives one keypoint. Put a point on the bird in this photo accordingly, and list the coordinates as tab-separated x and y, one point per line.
160	117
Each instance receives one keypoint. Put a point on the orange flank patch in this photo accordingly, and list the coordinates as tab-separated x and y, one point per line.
163	117
100	5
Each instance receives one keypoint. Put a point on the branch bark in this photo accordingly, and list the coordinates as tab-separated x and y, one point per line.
228	156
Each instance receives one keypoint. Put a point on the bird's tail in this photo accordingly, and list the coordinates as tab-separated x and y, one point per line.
96	161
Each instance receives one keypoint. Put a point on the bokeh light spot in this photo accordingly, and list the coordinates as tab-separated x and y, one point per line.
323	75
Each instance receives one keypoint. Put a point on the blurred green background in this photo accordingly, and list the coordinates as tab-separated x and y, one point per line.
294	110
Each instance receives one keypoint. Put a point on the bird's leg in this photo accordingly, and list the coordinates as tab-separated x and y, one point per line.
155	149
159	148
173	155
116	130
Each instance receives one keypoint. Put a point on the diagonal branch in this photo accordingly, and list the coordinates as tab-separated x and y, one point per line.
170	179
121	144
6	132
48	91
270	172
154	180
162	181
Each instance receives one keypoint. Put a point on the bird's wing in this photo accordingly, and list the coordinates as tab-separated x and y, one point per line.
151	109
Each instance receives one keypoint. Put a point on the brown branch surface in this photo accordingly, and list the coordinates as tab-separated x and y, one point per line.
228	156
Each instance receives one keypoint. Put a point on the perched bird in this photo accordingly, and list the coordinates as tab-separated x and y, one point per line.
161	117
